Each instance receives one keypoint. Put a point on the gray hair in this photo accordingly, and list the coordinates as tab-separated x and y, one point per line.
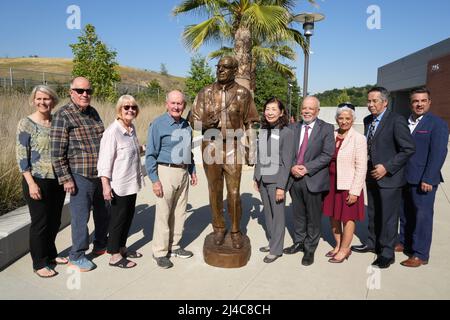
79	78
44	89
182	94
384	93
315	98
339	111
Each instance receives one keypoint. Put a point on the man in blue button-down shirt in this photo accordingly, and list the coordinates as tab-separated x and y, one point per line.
169	163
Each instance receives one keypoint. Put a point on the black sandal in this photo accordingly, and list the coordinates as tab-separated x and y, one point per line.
48	269
123	263
133	254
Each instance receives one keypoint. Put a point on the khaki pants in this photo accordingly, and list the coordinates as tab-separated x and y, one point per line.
170	211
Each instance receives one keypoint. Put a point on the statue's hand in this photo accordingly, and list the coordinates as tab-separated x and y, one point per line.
212	121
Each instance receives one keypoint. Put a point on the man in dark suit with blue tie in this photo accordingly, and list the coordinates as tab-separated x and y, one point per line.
389	146
423	174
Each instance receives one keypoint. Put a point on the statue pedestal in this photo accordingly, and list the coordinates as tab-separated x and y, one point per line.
225	256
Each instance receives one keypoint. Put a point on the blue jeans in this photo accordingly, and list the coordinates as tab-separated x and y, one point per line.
88	194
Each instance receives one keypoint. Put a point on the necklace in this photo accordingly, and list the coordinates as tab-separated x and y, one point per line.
42	122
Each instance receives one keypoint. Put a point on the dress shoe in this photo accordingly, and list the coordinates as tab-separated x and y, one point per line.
383	262
296	247
271	258
362	249
330	254
308	259
399	247
264	249
219	236
236	240
336	260
413	262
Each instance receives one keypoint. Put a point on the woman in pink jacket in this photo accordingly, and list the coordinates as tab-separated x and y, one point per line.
344	203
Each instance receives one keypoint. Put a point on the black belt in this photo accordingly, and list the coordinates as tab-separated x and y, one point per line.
173	165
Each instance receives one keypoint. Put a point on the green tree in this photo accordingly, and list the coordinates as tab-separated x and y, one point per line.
163	70
355	95
270	83
343	97
243	23
200	75
93	60
155	90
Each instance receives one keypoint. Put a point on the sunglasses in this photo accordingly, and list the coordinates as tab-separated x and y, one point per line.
126	108
348	105
81	91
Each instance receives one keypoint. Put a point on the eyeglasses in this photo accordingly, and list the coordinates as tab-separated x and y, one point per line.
126	108
226	66
81	91
348	105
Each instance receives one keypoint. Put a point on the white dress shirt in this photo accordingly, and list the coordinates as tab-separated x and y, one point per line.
119	159
302	133
412	124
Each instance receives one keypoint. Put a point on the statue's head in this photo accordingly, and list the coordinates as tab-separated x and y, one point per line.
226	70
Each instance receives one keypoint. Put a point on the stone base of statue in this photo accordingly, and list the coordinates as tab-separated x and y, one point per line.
225	256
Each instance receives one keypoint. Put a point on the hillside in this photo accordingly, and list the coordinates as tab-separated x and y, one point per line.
355	95
64	67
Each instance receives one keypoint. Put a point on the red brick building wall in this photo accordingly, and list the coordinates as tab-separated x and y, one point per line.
438	82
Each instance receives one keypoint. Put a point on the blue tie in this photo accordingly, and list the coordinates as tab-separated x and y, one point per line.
370	135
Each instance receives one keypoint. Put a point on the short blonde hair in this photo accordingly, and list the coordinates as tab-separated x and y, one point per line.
122	101
44	89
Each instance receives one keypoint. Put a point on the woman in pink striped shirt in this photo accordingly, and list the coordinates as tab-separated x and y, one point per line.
119	167
344	203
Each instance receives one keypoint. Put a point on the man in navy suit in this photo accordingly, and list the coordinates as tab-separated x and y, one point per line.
389	146
423	175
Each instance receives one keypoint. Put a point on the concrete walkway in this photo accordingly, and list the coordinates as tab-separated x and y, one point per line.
194	279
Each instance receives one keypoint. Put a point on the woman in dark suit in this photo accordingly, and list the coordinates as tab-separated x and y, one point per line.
272	173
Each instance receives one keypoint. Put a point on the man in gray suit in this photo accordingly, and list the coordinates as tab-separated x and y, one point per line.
314	147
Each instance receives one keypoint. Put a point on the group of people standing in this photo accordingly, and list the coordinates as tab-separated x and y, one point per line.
71	152
325	171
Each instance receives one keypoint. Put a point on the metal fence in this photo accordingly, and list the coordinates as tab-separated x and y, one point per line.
21	80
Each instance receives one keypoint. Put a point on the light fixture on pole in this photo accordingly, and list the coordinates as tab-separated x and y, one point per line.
308	20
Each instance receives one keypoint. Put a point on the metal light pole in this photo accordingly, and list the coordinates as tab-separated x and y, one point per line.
289	99
308	20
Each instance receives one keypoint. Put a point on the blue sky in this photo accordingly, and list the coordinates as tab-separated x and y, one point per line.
345	51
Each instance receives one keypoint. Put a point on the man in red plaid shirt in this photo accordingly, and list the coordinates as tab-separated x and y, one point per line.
75	142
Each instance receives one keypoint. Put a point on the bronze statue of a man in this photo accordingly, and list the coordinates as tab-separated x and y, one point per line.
226	109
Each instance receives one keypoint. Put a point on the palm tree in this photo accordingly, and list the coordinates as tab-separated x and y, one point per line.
245	24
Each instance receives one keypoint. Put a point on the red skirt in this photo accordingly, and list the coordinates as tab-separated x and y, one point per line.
334	204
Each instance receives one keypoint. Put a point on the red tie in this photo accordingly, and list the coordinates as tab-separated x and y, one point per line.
301	152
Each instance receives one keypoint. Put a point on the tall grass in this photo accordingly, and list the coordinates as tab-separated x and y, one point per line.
13	107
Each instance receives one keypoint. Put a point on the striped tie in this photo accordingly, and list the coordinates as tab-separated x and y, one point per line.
370	135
